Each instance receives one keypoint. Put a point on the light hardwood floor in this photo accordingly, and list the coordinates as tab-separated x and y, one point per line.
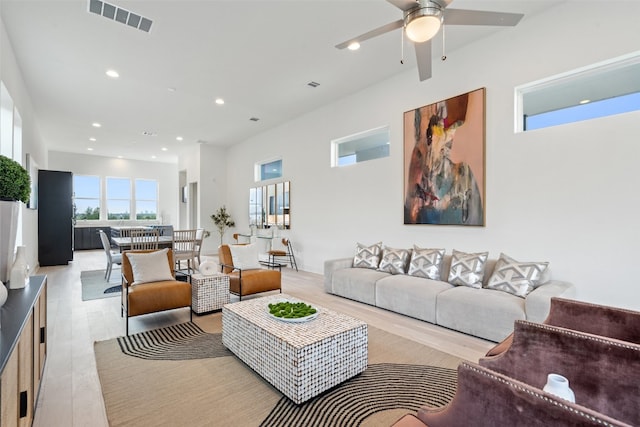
70	394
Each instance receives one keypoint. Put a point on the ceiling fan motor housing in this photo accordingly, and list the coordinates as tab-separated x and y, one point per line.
423	22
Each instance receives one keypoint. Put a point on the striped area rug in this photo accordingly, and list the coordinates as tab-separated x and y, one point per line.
182	375
382	387
178	342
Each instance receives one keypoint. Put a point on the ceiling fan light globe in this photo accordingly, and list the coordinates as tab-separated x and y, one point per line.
422	28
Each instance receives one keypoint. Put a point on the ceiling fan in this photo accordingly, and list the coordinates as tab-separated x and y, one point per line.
422	20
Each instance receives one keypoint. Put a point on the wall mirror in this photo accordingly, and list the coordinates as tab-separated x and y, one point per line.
269	205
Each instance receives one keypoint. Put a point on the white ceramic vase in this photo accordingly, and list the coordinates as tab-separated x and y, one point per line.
559	386
19	270
3	296
8	228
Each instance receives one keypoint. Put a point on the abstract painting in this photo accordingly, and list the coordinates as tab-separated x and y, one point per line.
444	162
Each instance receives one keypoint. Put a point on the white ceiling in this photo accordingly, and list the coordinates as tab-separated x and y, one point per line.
257	55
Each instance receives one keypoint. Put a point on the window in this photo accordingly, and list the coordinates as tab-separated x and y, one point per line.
363	146
599	90
6	122
118	198
86	202
146	199
268	170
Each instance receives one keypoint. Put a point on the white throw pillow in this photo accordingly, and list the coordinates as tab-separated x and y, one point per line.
150	266
245	257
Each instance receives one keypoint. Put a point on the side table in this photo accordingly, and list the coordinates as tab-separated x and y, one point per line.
209	293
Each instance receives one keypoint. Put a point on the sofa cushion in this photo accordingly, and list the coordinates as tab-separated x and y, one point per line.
409	295
484	313
394	261
367	256
467	269
517	278
149	266
245	257
426	263
357	283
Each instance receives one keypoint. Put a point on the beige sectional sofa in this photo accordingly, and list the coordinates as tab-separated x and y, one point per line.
485	313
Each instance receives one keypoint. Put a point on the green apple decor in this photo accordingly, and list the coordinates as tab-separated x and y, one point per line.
15	187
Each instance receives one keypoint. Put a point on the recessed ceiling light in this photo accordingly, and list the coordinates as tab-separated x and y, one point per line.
153	157
585	101
113	74
92	139
179	138
96	125
220	101
164	149
171	89
119	157
89	149
353	46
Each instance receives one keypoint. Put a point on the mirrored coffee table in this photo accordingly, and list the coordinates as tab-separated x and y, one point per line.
300	359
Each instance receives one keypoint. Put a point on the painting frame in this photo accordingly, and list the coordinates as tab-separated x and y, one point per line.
444	161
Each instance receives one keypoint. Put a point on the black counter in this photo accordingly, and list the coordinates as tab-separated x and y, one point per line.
14	314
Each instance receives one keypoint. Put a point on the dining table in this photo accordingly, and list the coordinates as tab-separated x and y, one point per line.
124	243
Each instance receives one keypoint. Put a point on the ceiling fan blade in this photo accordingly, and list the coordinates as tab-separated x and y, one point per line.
373	33
423	58
403	4
479	17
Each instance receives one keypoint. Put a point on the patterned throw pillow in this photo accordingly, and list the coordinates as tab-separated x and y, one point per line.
467	269
426	263
517	278
367	256
394	261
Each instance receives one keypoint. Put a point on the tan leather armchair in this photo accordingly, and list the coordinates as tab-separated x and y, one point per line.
247	282
152	297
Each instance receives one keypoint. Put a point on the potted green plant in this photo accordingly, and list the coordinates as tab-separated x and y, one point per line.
15	188
222	220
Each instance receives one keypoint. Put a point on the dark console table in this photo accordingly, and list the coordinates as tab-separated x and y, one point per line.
23	341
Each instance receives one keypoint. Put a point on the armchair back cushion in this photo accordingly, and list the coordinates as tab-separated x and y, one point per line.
604	373
150	266
509	403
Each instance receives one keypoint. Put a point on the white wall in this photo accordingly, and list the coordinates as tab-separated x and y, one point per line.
566	194
206	166
32	142
165	173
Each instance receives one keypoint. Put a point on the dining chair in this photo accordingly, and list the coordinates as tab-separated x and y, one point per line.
144	239
282	251
199	239
184	248
112	256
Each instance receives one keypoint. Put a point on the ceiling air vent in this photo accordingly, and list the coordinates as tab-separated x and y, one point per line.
121	15
313	84
254	119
